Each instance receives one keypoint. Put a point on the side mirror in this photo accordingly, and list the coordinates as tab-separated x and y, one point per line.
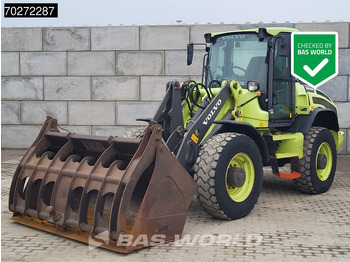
253	86
189	53
284	45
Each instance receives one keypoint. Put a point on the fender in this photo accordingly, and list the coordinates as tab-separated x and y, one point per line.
248	130
323	117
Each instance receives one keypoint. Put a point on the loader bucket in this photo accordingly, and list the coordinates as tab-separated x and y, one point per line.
119	194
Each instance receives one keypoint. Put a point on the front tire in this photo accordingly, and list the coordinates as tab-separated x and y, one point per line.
221	193
318	163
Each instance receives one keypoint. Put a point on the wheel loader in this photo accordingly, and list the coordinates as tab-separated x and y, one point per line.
211	138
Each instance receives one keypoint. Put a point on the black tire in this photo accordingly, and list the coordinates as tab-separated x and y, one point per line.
315	180
136	132
211	170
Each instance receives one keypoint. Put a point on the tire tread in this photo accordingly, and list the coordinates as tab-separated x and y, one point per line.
205	173
304	184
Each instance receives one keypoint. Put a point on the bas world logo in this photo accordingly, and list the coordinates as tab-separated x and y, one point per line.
127	240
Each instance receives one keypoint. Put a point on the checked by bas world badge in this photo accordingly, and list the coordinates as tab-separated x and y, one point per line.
314	57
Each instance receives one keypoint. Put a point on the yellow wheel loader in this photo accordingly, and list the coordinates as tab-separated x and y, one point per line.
211	137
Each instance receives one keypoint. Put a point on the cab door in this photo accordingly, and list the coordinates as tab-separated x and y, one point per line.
281	82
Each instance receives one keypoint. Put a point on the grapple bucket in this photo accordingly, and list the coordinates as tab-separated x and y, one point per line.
116	193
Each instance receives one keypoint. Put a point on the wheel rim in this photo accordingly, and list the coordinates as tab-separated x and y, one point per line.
239	194
323	173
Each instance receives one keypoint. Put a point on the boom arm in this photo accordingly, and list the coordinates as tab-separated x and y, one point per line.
187	153
183	142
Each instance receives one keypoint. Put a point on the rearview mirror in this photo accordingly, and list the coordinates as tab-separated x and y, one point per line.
189	53
283	45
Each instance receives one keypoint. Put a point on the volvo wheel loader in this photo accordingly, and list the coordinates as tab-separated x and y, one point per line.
211	137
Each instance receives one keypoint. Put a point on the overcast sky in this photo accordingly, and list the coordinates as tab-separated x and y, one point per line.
152	12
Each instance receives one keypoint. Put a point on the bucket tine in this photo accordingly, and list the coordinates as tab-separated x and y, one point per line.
111	183
26	178
39	146
55	195
93	187
142	161
120	190
52	173
71	207
105	199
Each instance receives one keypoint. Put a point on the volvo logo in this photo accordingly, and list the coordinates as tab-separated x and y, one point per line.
212	112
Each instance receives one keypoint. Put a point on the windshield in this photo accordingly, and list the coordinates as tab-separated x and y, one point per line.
240	57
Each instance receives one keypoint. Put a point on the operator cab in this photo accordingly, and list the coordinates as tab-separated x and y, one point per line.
258	55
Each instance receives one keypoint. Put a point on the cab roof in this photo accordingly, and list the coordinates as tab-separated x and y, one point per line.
269	30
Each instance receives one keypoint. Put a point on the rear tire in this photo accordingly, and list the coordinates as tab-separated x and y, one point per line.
219	197
317	177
